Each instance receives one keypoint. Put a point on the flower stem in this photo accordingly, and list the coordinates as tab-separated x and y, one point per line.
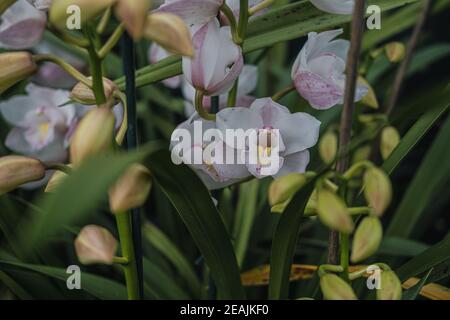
95	63
199	107
63	64
226	10
283	92
243	21
101	27
126	242
357	30
260	6
58	166
232	95
345	254
112	41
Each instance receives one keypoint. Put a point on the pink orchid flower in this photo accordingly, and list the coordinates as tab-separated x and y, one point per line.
294	134
218	60
335	6
247	84
157	53
318	71
21	26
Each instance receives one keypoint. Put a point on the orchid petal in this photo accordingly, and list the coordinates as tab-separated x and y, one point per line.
294	163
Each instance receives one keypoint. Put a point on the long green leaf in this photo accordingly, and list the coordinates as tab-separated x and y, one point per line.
193	202
429	179
284	240
413	292
432	257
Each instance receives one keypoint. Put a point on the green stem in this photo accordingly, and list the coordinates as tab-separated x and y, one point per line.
345	252
58	166
112	41
260	6
280	94
67	67
233	24
126	241
101	27
243	21
97	79
199	107
232	95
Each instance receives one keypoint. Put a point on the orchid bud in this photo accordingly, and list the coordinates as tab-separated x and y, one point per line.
17	170
361	154
133	14
81	93
170	32
377	190
395	51
218	61
95	244
390	138
285	187
14	67
335	288
335	6
55	180
370	99
328	147
93	135
131	190
333	212
391	287
88	10
367	239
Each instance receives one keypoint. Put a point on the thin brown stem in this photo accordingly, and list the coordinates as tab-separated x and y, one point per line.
357	30
401	72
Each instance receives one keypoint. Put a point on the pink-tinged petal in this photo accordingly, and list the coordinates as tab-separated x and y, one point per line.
245	101
294	163
193	12
212	184
248	80
227	83
238	118
234	170
22	26
269	111
261	171
319	93
155	54
335	6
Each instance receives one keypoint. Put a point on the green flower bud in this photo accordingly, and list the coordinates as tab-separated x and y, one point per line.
17	170
328	146
95	244
14	67
334	288
391	287
367	238
93	135
333	212
395	51
55	180
285	187
370	99
131	190
377	190
390	138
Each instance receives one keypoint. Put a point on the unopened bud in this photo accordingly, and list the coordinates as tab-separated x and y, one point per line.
390	138
14	67
395	51
95	244
361	154
133	14
285	187
131	190
62	10
370	99
333	212
367	239
17	170
335	288
377	190
391	287
55	180
81	93
170	32
93	135
328	146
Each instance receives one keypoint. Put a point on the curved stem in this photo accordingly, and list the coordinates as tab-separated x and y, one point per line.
233	24
58	166
74	40
283	92
199	107
120	136
126	242
243	20
260	6
232	95
67	67
112	41
96	70
104	21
